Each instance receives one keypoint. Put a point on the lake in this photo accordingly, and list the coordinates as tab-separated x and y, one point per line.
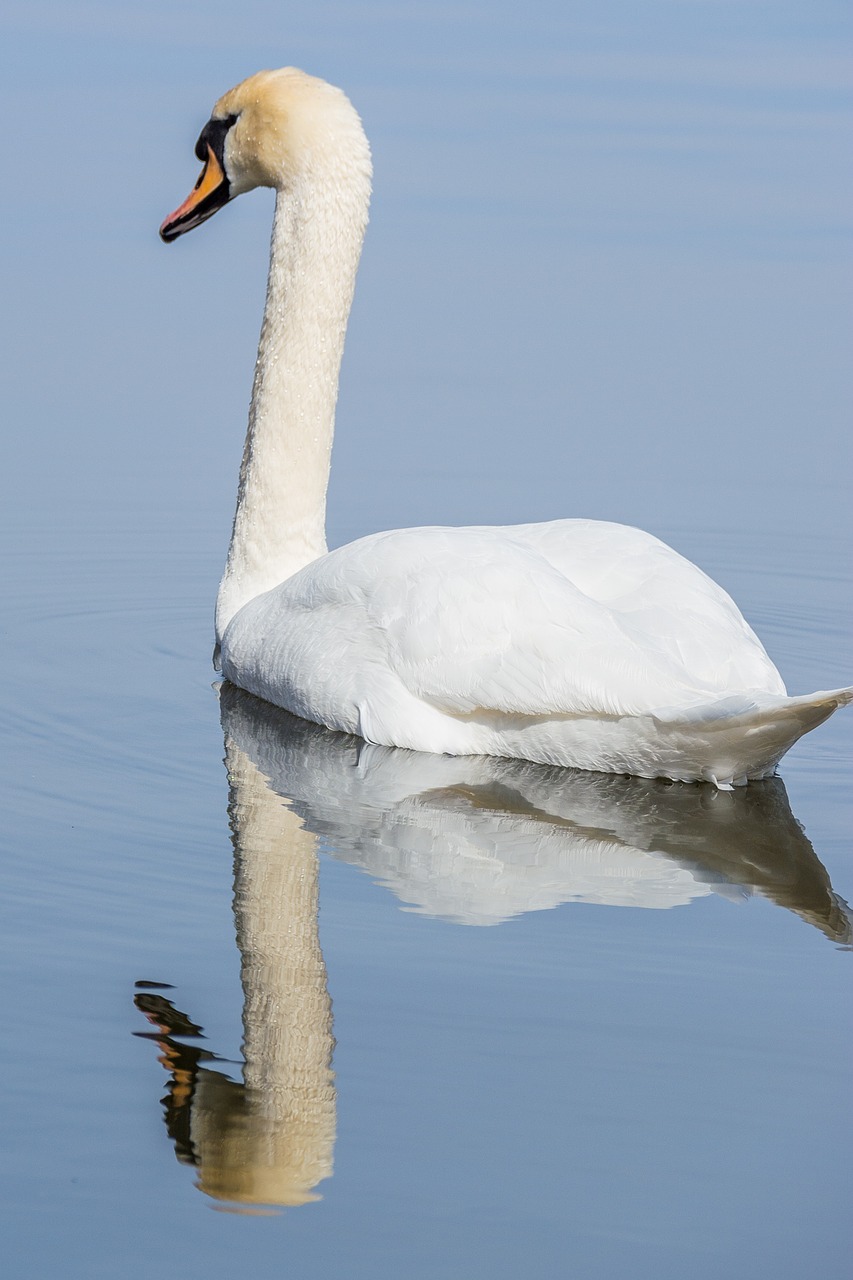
279	1002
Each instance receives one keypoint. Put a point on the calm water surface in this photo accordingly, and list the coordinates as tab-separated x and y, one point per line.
638	1068
328	1010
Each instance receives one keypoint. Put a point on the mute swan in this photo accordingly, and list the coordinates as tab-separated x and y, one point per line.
575	642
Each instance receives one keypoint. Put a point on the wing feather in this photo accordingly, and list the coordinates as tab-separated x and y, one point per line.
563	618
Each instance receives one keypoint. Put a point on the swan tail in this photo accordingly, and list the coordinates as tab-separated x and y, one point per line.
742	738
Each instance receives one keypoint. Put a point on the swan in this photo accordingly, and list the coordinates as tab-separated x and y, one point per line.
574	642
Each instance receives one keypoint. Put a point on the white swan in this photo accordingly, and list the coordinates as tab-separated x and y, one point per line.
575	642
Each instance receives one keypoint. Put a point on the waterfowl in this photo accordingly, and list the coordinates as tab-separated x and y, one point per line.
574	642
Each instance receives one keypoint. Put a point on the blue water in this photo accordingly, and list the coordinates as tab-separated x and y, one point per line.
591	1027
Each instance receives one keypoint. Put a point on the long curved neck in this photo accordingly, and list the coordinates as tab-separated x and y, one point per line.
279	525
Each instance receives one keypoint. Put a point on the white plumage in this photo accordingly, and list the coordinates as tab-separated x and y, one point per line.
575	642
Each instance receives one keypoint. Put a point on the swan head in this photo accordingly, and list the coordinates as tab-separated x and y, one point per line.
274	129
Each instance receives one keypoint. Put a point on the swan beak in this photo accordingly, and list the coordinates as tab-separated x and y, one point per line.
210	193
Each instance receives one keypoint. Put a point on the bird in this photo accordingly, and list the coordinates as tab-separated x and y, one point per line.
573	642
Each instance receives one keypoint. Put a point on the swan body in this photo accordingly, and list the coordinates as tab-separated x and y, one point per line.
574	642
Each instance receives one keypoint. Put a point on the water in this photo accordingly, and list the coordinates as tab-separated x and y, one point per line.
536	1023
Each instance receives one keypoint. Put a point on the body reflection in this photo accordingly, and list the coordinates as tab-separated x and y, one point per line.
477	839
470	839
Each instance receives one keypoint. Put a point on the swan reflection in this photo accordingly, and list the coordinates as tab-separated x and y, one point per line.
468	839
477	839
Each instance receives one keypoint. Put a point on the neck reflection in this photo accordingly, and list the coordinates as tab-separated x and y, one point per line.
269	1139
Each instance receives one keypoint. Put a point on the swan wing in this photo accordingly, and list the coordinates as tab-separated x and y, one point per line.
527	621
571	617
661	600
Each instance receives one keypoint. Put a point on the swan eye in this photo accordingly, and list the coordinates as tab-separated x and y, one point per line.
213	136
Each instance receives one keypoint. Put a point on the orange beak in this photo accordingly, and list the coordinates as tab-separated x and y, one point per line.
210	193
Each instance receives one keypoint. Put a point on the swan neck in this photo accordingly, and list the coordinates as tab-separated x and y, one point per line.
279	524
